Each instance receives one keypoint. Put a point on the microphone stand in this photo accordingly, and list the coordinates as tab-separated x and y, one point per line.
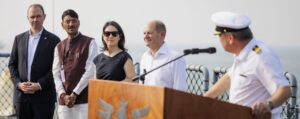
185	52
142	77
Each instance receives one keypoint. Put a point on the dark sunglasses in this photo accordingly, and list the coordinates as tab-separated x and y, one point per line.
113	33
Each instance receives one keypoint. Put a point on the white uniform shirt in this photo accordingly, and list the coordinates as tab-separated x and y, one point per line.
172	75
255	76
88	74
32	45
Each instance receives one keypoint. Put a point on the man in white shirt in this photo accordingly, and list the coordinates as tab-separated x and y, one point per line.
256	78
172	75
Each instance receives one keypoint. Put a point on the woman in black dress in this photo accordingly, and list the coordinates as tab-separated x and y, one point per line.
114	63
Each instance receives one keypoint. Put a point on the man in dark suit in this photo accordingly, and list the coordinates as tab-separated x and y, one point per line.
30	65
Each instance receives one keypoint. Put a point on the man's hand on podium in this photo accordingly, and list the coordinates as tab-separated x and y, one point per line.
259	109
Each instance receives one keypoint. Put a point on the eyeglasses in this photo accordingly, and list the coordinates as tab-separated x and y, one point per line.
113	33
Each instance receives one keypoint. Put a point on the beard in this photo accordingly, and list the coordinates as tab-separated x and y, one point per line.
72	32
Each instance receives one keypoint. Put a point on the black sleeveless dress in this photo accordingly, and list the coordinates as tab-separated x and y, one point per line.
111	68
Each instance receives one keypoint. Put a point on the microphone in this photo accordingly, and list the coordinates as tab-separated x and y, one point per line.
209	50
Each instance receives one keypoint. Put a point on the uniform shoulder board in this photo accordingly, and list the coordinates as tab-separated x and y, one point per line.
256	49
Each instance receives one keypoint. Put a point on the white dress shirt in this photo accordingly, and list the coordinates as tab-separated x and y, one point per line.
172	75
32	44
88	74
255	76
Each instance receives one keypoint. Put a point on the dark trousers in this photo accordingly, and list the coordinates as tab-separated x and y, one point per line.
33	110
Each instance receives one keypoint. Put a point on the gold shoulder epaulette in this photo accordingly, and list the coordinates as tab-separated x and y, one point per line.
256	49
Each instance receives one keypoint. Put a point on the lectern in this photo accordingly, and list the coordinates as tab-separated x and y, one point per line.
121	100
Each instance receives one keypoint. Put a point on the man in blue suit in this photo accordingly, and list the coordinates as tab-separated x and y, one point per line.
30	65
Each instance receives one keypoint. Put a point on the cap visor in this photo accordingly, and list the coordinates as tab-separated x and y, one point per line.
217	33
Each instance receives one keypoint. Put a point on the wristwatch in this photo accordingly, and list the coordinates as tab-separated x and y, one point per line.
270	105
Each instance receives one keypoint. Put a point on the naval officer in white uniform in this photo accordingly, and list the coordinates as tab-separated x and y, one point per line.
256	78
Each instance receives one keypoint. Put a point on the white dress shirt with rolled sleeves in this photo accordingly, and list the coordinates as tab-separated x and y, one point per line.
172	75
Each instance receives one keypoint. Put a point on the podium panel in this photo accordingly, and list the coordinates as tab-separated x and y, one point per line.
137	97
120	100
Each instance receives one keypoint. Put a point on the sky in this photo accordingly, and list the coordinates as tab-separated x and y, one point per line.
188	23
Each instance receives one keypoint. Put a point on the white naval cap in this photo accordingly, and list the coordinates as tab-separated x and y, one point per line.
230	22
